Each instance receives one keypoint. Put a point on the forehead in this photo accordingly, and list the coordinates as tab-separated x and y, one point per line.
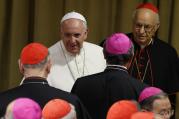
160	104
145	16
72	24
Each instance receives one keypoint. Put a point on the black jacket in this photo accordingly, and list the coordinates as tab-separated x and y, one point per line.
99	91
39	90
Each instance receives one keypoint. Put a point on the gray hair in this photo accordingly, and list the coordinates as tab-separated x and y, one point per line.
39	65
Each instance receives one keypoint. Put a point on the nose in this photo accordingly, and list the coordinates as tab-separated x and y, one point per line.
142	30
73	39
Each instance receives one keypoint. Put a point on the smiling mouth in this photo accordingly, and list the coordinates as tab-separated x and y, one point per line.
74	47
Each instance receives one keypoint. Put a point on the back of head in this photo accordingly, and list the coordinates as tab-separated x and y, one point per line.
122	110
23	108
34	61
118	47
58	109
143	115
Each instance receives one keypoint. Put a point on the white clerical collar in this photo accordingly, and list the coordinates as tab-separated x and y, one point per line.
121	66
117	67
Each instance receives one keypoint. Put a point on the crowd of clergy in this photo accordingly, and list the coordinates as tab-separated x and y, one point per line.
132	76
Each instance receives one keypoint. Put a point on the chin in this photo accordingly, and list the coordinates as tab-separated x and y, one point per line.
75	52
141	43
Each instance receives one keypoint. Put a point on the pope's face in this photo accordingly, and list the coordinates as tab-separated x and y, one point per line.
73	34
144	26
162	107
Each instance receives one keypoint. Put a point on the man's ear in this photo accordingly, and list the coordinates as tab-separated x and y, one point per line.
86	33
21	67
49	65
157	27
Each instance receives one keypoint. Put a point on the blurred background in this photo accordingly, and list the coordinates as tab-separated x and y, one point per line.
25	21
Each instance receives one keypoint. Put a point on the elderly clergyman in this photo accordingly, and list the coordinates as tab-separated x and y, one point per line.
73	57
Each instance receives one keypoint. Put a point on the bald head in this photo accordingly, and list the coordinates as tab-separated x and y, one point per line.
148	14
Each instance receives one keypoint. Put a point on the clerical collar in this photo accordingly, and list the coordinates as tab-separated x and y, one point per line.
117	67
35	80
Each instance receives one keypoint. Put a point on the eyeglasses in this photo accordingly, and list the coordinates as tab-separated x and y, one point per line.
164	113
147	27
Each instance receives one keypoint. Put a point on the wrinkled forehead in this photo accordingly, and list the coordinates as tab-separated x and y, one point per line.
162	104
73	23
72	27
145	16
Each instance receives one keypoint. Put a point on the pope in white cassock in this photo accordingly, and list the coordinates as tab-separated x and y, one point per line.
72	57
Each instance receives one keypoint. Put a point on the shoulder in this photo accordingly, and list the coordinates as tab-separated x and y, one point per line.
63	94
89	78
88	81
10	91
93	76
56	53
54	46
94	53
163	45
164	49
55	49
92	46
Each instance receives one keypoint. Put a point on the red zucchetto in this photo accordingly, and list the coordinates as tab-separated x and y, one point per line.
149	6
122	109
33	53
58	109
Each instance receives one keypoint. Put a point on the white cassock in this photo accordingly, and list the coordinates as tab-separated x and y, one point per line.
66	68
